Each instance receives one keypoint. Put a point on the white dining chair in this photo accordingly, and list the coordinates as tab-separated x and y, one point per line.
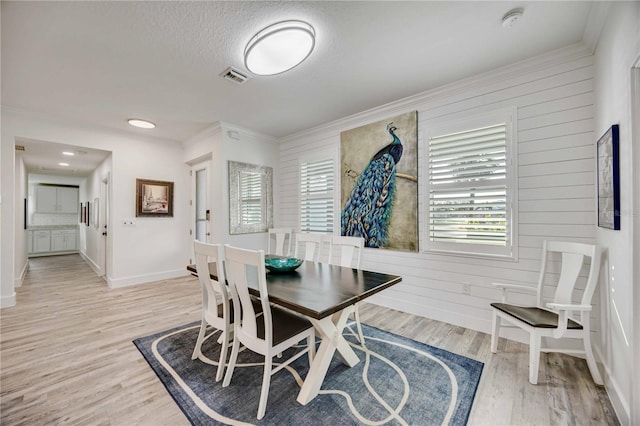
279	241
216	300
269	334
555	318
312	244
350	256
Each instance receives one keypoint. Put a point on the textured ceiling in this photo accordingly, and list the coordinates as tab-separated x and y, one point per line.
102	62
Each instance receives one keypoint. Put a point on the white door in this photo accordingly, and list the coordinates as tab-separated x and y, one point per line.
201	216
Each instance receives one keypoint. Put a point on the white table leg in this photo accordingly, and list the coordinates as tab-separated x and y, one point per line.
332	340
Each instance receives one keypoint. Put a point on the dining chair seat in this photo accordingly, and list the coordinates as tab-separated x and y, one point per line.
534	316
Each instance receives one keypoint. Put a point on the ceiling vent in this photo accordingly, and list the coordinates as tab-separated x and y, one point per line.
20	148
234	75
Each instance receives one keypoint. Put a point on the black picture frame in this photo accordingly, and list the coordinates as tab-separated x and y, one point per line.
608	163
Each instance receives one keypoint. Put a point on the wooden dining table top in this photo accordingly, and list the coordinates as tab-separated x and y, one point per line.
318	290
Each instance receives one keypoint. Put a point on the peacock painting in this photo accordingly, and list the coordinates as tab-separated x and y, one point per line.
370	209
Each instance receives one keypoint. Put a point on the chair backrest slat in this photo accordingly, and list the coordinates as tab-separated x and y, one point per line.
350	250
212	290
282	243
312	244
244	266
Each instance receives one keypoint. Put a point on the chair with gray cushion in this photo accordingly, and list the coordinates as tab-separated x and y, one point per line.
566	316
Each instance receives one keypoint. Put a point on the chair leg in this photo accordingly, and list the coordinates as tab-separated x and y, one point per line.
232	362
223	355
534	358
358	325
591	361
495	332
196	350
266	380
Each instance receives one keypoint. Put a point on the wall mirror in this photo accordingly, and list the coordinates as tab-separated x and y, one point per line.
250	198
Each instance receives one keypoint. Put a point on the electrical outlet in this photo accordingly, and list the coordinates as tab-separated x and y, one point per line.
466	289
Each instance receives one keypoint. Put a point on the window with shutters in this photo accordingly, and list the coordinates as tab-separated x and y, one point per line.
317	196
251	200
471	190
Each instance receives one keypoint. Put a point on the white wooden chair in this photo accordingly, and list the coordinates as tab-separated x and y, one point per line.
554	319
216	301
268	334
350	257
281	239
312	244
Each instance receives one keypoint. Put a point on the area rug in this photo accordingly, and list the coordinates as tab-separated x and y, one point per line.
398	381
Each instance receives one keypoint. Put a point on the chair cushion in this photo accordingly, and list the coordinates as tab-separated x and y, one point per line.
534	316
285	325
257	307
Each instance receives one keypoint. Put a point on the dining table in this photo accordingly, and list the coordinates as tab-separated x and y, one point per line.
326	294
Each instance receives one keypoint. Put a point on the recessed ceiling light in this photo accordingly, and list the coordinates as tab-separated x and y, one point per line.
69	153
279	47
64	164
144	124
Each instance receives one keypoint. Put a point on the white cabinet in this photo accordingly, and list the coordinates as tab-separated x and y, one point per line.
30	241
41	241
56	199
63	240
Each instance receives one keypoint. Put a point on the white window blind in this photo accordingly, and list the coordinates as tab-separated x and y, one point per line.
251	206
316	196
469	197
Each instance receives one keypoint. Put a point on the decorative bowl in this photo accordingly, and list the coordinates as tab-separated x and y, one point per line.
282	264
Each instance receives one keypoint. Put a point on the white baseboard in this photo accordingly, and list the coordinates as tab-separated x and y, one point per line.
620	404
8	301
147	278
18	281
96	268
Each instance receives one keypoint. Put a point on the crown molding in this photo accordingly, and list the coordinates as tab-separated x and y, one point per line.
529	65
595	24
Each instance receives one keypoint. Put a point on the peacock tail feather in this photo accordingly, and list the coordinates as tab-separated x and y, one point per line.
367	212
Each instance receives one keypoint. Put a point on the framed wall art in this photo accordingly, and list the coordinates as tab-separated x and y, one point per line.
609	179
154	198
379	183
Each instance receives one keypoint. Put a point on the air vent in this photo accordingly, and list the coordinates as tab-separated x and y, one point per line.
234	75
20	148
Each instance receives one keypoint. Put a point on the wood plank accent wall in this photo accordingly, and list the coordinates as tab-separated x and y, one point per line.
556	182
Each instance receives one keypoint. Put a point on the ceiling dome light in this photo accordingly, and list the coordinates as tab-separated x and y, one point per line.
144	124
279	47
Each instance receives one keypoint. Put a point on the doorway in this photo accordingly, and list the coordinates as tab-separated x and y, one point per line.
201	211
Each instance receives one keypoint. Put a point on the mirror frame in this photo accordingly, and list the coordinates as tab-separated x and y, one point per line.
235	198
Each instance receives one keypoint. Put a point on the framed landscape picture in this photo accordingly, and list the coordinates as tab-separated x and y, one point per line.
609	179
154	198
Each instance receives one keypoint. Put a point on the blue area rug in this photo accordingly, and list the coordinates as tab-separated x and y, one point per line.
398	381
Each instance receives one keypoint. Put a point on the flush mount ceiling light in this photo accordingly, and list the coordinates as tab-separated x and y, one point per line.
144	124
279	47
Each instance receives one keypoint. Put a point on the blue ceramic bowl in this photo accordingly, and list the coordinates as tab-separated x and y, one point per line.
282	264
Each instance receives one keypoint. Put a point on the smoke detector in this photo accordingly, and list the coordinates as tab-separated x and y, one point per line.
234	75
511	17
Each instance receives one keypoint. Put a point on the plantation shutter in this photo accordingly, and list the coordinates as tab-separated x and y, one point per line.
468	186
316	196
251	198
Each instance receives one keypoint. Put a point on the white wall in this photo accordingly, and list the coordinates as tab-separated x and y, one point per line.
245	146
156	248
554	101
617	52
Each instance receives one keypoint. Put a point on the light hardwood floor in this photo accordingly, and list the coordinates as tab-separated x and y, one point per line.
67	356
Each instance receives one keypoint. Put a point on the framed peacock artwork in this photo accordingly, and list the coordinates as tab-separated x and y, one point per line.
379	183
